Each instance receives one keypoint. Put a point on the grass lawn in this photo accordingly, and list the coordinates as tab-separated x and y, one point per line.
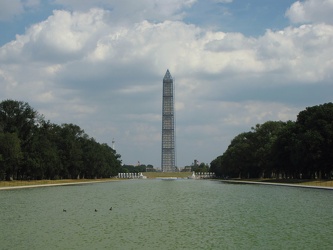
17	183
149	175
322	183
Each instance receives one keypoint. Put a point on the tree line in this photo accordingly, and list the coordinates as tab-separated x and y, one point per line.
301	149
197	167
33	148
137	169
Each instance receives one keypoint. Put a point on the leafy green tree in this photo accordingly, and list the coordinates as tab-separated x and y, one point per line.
43	156
11	155
301	149
18	117
133	169
90	157
249	154
128	169
264	138
111	162
237	160
285	154
99	160
243	155
150	168
202	167
216	166
315	129
31	148
70	150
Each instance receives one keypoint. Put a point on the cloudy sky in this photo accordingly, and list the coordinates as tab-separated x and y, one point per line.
100	64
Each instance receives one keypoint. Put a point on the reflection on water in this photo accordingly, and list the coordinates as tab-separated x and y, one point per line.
157	214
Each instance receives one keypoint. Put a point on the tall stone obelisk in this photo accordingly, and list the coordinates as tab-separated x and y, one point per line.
168	125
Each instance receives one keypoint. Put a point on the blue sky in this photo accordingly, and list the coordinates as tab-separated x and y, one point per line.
100	64
251	18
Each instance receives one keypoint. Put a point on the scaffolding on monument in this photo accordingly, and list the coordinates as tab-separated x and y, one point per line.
168	125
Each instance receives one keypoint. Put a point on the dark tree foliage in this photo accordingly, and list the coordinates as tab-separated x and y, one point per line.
18	117
315	134
137	169
216	166
202	167
32	148
10	155
284	153
301	149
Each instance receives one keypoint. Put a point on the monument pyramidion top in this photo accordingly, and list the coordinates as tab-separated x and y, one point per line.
167	75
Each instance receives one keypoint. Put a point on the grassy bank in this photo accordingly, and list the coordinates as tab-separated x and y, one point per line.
17	183
150	175
304	182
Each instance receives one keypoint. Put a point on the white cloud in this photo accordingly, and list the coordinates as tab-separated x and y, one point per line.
105	76
65	36
311	11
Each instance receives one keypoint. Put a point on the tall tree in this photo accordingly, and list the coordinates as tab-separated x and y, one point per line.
216	166
315	129
48	150
264	138
237	160
71	150
43	159
18	117
285	152
10	152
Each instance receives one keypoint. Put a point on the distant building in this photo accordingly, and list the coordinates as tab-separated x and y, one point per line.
168	125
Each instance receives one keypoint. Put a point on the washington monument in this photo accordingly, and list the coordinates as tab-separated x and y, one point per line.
168	125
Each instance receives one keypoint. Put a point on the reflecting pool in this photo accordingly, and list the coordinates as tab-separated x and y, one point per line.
158	214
